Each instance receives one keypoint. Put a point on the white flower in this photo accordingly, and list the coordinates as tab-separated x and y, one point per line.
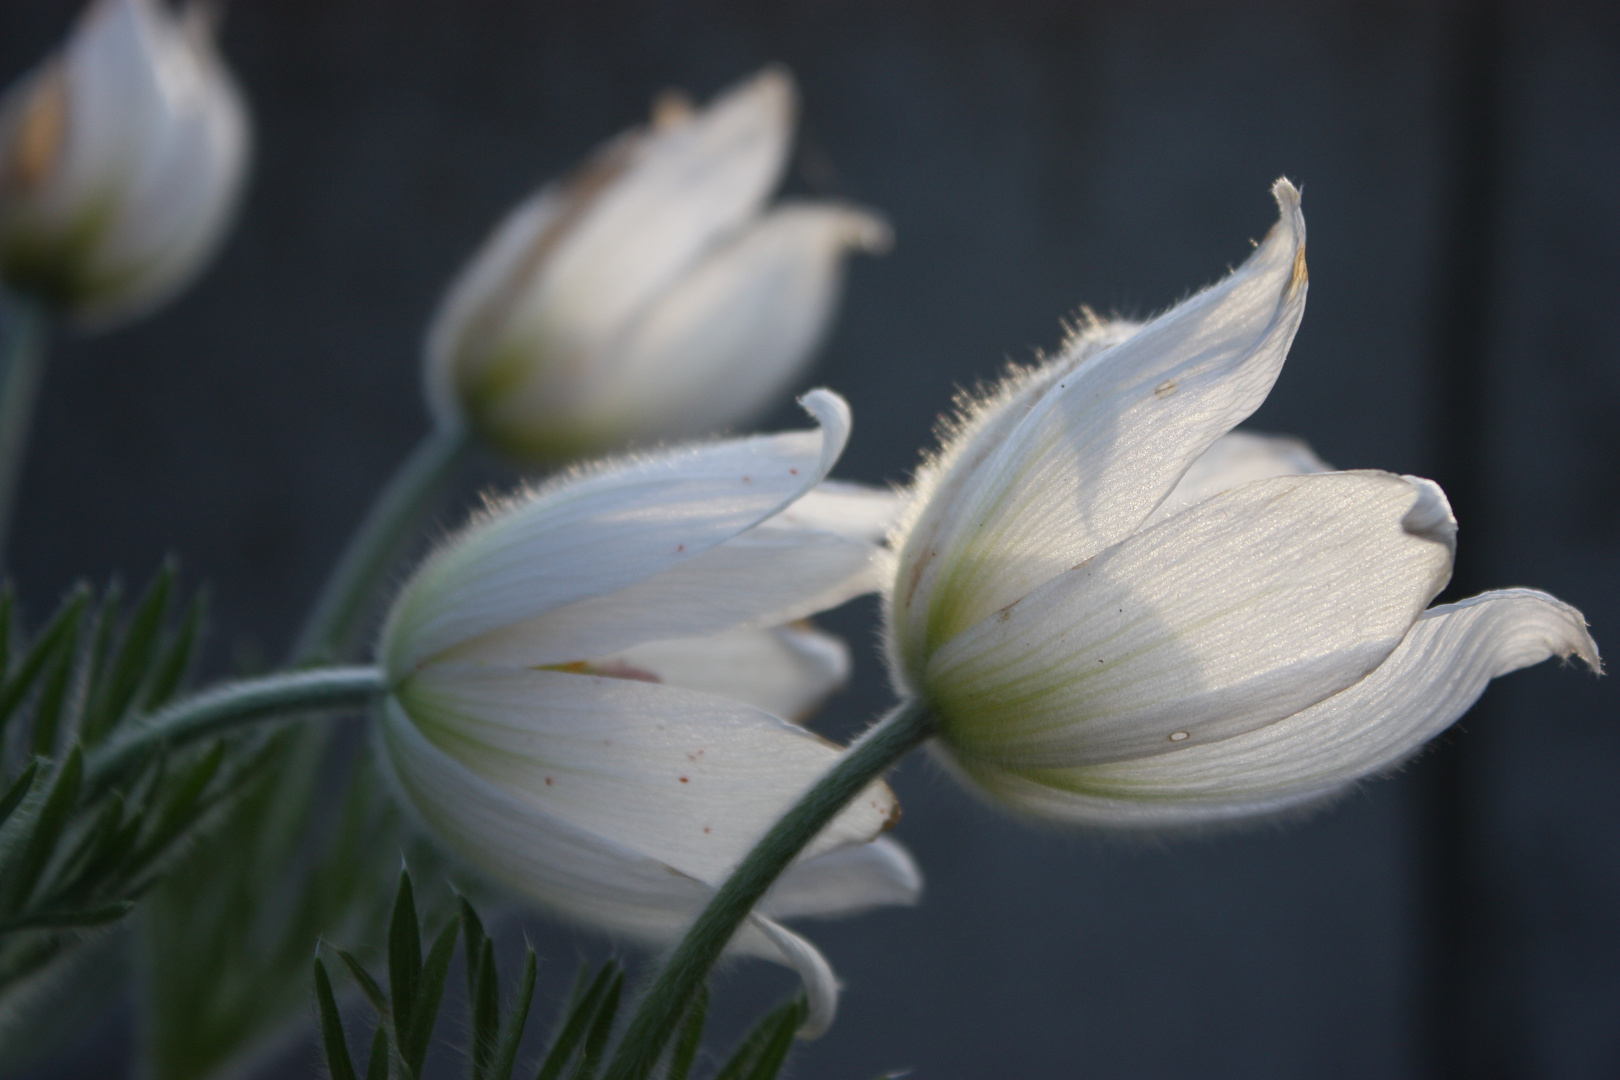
1120	617
589	685
121	160
651	294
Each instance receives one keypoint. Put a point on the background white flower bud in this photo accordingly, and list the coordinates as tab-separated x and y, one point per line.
121	160
651	294
1123	615
592	683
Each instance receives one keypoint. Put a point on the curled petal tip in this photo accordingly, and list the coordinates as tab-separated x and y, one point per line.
1430	515
830	410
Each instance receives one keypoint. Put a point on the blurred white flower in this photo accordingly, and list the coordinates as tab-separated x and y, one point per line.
121	159
589	687
1122	615
651	294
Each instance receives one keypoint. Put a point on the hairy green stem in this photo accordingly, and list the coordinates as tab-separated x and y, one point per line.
330	629
22	361
681	976
233	705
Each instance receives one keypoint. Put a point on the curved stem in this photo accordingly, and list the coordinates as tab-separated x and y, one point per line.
332	624
661	1008
22	361
233	705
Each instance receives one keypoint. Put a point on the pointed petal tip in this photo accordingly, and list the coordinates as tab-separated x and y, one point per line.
771	89
1290	228
868	231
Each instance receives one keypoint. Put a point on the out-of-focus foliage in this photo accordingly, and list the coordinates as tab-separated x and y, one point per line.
227	942
78	848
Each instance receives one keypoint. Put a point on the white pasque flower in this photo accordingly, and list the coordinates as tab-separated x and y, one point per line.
651	294
121	159
590	686
1120	614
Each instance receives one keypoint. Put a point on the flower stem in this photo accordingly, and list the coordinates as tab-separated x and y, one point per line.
332	624
233	705
22	361
883	745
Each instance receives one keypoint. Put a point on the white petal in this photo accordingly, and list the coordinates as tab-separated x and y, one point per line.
1109	440
766	576
846	882
576	873
594	532
820	984
686	185
181	194
1235	459
1439	670
465	333
116	100
786	671
720	344
1226	617
853	510
687	778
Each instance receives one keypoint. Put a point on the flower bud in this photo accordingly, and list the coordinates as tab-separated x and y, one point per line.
121	159
651	294
592	686
1121	614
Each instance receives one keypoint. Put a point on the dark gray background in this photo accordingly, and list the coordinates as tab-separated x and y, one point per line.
1460	167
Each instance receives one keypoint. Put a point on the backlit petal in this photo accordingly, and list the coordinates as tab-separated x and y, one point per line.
720	344
1235	459
1431	679
684	186
786	671
597	531
846	882
1106	443
688	778
1228	616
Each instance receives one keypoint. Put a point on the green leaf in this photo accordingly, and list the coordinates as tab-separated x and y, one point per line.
759	1048
486	1008
775	1052
472	931
596	1039
377	1066
134	656
8	616
66	919
337	1049
404	952
417	1034
62	631
690	1036
18	790
501	1068
174	662
76	874
576	1018
52	698
368	985
180	805
53	818
102	625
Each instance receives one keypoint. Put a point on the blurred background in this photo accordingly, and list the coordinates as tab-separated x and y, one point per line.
1460	163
